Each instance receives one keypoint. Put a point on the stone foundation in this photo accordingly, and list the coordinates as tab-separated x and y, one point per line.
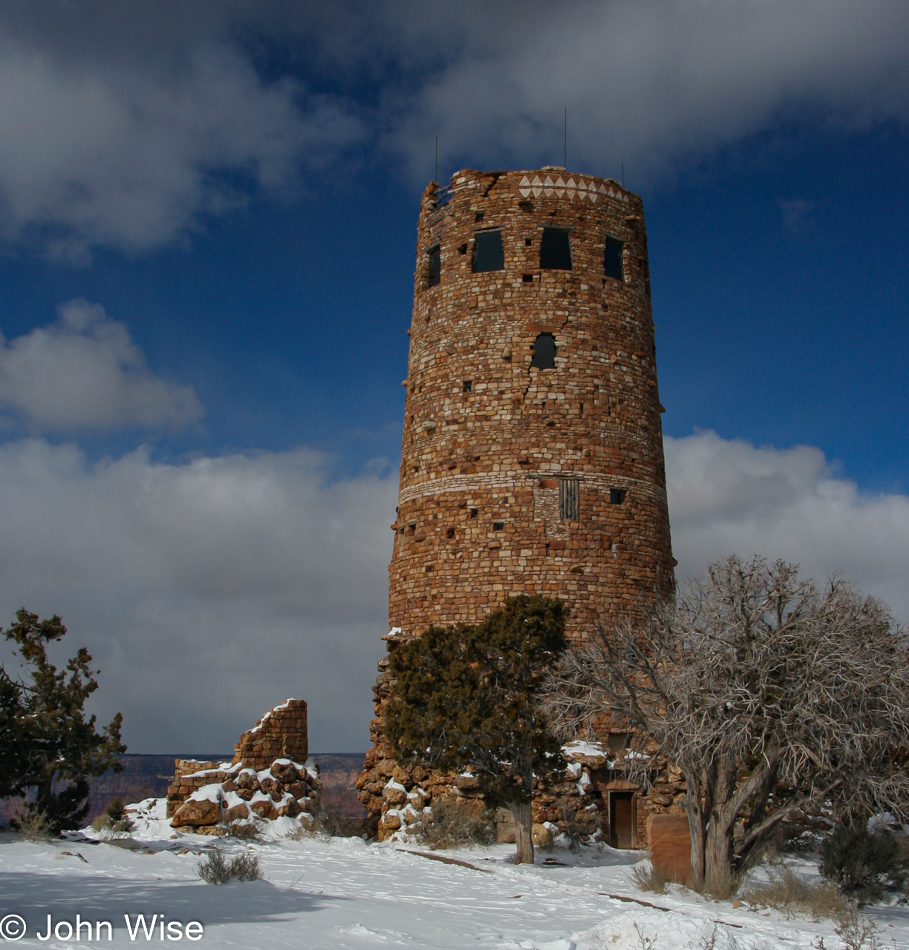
580	805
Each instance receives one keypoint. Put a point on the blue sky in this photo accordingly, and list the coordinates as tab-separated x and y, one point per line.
207	225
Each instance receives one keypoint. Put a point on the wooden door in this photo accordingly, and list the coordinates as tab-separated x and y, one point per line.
622	820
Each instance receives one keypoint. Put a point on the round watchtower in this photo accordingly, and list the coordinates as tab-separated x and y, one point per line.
532	458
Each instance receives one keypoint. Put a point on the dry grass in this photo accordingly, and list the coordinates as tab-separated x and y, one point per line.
649	878
790	894
214	868
33	824
455	823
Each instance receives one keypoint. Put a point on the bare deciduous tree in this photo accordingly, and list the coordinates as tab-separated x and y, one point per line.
768	693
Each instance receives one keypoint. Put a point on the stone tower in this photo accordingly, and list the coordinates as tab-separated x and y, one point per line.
532	458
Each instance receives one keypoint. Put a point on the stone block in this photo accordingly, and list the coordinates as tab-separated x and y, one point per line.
195	813
670	846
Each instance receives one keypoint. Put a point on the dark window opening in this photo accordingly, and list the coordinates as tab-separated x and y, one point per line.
468	385
528	242
569	499
555	250
479	215
613	265
489	254
450	532
462	248
618	741
428	568
617	496
527	278
498	526
435	266
544	351
474	512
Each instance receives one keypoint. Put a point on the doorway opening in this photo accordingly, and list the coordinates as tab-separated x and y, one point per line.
622	820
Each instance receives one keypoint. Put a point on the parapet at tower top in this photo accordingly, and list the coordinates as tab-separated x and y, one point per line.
547	181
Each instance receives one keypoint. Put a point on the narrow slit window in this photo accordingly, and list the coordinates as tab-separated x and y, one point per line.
569	499
613	263
489	254
498	526
555	250
434	254
544	351
467	385
617	496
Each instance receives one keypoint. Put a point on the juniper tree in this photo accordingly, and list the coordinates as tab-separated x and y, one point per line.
768	693
47	745
464	696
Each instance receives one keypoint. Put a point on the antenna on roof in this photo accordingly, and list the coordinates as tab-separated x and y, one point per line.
565	166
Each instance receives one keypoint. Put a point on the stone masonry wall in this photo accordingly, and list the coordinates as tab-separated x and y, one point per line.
280	733
490	440
268	777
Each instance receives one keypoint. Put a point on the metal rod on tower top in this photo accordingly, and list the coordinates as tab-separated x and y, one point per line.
566	139
437	160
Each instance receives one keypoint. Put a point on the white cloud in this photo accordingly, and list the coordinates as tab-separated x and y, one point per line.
125	124
727	496
85	372
650	83
207	591
126	140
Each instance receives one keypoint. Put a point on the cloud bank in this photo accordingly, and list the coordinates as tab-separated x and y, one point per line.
85	372
207	591
124	131
126	125
651	84
728	496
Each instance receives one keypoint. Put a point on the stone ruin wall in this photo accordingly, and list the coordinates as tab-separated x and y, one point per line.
283	732
268	777
490	441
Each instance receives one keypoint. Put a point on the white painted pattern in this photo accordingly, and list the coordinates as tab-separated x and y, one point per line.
574	188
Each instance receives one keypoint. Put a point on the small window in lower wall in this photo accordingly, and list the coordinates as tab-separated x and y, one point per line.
544	351
617	496
569	499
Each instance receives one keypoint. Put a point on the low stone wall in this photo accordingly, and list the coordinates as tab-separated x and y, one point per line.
208	799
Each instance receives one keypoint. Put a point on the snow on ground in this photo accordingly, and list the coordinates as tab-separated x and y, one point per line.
322	894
